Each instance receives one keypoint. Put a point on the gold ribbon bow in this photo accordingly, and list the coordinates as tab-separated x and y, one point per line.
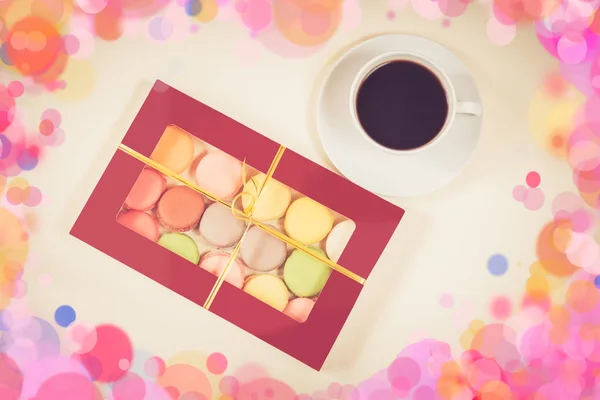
244	214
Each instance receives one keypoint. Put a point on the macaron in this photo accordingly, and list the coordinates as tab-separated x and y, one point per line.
220	174
262	251
175	149
182	245
304	275
338	239
180	208
215	262
308	221
140	222
274	199
268	289
146	191
220	227
299	309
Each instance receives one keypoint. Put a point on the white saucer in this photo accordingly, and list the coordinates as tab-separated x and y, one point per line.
387	172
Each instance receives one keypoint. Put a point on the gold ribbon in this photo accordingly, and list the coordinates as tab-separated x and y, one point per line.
244	214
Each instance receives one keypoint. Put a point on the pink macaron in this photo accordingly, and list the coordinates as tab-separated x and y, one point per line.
299	309
220	174
215	262
140	222
146	191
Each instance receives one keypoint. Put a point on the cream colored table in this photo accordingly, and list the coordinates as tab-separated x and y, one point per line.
441	246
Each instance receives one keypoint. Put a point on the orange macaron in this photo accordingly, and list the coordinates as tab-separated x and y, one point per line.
180	208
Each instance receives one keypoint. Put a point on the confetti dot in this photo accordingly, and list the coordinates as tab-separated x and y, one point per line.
55	139
5	147
534	200
582	296
533	179
428	9
68	386
555	85
499	33
424	393
584	155
497	264
7	108
216	363
316	21
71	44
123	364
391	15
257	15
64	316
446	300
16	89
46	127
53	116
335	390
597	282
557	140
34	45
160	28
92	6
572	48
173	392
28	159
193	7
453	8
102	361
19	41
80	43
4	54
501	308
15	195
108	23
34	197
229	386
404	374
519	193
154	367
84	338
241	6
268	388
130	387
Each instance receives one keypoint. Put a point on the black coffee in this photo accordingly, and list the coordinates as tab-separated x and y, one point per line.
402	105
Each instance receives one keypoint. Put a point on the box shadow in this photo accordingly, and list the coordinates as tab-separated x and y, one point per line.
381	283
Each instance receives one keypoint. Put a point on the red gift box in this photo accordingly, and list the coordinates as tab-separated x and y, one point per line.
375	220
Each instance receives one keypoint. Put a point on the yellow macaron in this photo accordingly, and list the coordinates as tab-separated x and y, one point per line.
268	289
308	221
272	202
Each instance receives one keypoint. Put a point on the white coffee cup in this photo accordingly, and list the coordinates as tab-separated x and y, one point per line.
455	106
386	171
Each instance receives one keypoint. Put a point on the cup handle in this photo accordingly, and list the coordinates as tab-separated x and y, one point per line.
468	107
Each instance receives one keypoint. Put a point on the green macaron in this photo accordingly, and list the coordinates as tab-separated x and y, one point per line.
182	245
304	275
